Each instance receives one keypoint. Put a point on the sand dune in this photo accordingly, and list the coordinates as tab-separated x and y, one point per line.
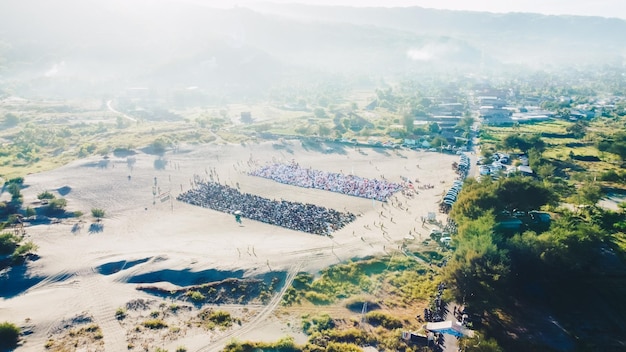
94	268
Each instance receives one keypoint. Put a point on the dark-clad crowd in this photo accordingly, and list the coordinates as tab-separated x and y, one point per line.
293	174
292	215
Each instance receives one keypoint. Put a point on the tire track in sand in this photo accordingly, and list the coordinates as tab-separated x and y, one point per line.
95	296
218	345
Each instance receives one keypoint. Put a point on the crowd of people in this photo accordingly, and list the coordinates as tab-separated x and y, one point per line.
292	215
293	174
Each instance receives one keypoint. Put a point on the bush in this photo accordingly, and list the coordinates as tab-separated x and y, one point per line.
28	212
97	213
318	324
8	243
216	318
120	313
317	298
154	324
302	281
45	195
195	296
342	347
9	335
25	249
285	344
384	320
56	205
16	180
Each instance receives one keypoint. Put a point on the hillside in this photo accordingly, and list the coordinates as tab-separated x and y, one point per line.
95	48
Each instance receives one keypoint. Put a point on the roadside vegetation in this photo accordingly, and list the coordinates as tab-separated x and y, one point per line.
517	278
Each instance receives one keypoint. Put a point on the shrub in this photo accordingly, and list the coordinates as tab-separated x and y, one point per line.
196	296
302	281
317	298
25	249
9	335
16	180
221	318
181	349
342	347
120	313
154	324
97	213
216	318
8	243
56	205
45	195
384	320
318	324
29	211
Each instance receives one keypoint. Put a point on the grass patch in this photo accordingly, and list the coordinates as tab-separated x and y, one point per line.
349	279
154	324
382	319
216	319
120	313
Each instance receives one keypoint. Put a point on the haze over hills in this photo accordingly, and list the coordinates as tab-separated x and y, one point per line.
74	47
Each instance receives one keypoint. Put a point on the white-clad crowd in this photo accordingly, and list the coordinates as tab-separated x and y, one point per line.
293	174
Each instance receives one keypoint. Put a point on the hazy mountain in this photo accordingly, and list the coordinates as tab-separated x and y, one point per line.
90	46
500	35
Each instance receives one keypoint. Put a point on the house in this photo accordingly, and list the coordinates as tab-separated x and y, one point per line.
525	170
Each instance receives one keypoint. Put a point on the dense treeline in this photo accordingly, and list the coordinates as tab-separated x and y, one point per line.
575	261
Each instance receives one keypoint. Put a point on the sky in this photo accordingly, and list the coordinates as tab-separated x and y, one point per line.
603	8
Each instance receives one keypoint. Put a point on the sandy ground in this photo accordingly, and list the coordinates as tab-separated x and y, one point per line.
150	241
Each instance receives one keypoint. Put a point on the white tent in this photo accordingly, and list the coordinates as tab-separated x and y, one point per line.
450	327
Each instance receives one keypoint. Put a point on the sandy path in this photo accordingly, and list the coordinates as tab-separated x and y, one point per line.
182	244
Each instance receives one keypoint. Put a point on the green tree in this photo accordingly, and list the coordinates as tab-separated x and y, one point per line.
433	127
477	268
545	170
615	144
475	200
577	129
408	121
572	245
476	344
159	145
465	124
15	191
588	194
523	193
